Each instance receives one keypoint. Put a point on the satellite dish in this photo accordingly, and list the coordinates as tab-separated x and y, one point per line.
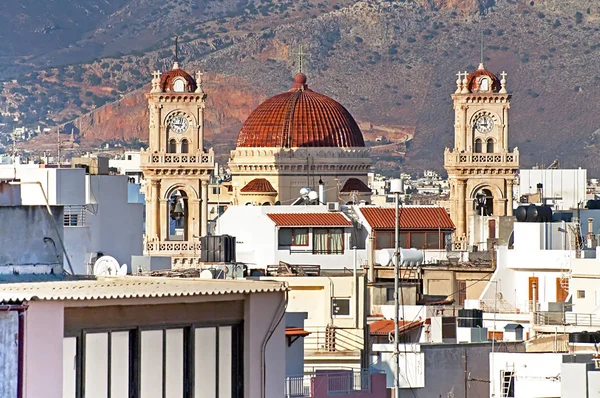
206	274
313	195
107	266
304	191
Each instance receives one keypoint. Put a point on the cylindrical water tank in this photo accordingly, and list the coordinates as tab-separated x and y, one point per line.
396	186
521	213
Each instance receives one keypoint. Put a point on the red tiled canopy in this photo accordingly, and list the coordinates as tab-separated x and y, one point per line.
384	327
473	80
300	118
167	79
258	185
354	184
415	218
310	220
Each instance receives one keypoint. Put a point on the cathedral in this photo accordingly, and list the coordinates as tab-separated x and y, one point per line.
481	167
299	139
295	140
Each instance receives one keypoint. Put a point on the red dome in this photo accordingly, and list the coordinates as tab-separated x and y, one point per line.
300	118
473	80
167	79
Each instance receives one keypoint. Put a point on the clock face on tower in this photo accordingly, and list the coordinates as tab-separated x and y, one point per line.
484	124
179	124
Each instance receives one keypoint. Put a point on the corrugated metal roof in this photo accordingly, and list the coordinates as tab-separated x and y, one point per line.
131	287
421	217
310	219
384	327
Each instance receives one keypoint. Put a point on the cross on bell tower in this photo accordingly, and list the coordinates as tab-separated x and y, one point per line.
300	55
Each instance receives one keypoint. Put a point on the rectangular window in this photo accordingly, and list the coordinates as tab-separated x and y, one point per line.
434	241
417	240
389	293
581	294
70	220
385	239
340	306
462	292
328	241
293	237
155	363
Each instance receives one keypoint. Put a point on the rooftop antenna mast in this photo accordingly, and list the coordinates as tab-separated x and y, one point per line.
481	55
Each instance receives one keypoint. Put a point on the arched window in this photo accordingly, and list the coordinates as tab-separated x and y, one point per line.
490	146
478	145
185	146
172	145
484	84
179	86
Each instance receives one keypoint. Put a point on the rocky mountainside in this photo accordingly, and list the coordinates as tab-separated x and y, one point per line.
391	63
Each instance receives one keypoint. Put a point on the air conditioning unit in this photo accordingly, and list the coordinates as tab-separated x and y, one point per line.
333	206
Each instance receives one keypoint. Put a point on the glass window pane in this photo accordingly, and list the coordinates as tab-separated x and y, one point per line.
417	240
434	241
384	240
205	362
336	240
174	363
151	366
402	240
69	367
119	364
285	237
300	236
96	365
320	240
225	367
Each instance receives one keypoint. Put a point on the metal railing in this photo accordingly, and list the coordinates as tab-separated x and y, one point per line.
299	386
349	382
331	339
501	306
338	382
567	318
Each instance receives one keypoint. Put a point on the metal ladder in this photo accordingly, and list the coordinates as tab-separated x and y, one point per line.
508	380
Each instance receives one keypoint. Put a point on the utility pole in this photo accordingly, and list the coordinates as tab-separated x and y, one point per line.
396	187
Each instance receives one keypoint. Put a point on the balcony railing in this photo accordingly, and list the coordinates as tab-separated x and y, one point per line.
333	340
159	159
567	318
337	382
172	247
480	159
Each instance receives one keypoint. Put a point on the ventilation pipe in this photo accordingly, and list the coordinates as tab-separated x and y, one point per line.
591	236
371	256
321	192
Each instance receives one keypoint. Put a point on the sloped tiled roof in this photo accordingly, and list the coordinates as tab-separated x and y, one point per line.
300	118
261	185
384	327
415	218
310	220
354	184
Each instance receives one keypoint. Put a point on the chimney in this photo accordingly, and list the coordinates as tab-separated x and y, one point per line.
321	192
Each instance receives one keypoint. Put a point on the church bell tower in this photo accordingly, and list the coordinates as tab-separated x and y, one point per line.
481	167
176	167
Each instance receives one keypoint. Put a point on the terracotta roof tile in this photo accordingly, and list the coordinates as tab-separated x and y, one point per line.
473	81
422	217
300	118
167	79
293	331
261	185
310	220
384	327
354	184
